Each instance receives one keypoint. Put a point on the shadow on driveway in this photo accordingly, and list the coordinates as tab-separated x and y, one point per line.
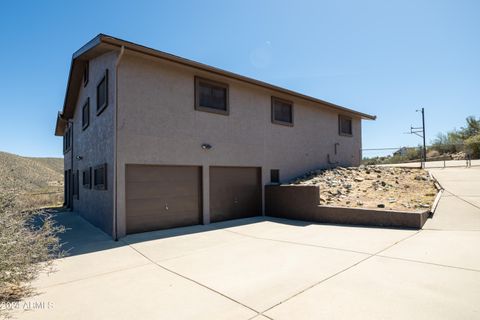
81	237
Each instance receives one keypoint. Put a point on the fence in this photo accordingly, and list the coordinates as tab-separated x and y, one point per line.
438	156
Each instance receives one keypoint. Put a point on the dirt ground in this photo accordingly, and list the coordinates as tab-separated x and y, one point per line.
404	189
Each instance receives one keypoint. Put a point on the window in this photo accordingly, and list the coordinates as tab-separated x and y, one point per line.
75	185
102	93
85	74
100	177
282	111
86	114
211	96
67	140
275	176
344	126
87	178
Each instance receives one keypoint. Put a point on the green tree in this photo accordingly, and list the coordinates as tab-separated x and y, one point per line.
453	141
472	145
472	128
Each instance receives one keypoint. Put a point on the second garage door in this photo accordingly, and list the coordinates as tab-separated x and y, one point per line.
161	197
235	192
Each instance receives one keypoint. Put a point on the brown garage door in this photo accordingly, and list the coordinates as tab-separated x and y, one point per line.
235	192
161	197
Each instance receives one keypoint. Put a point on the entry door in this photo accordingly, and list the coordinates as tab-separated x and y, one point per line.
235	192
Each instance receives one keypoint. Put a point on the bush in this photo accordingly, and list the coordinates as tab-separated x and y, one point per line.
472	145
28	244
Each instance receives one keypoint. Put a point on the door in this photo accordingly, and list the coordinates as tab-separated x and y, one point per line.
235	192
162	197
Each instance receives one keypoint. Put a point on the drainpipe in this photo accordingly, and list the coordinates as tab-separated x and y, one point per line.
115	128
70	180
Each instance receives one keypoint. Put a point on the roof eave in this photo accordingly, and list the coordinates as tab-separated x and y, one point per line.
167	56
60	125
89	49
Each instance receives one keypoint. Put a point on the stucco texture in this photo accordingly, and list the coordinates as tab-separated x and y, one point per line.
157	124
95	145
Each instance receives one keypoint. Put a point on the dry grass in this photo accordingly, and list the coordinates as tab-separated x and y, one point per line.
28	235
21	174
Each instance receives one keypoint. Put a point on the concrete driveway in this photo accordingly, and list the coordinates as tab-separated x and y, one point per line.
264	268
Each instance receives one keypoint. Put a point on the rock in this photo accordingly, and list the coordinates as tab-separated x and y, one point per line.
359	203
392	200
358	179
383	183
424	178
380	205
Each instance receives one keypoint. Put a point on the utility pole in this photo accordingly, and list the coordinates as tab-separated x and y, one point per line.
424	144
420	131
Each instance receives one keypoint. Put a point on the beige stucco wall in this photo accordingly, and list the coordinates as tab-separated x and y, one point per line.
157	124
95	145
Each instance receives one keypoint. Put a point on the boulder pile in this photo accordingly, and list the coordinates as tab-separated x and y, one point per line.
373	187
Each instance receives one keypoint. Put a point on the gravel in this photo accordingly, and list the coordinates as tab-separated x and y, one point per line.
393	188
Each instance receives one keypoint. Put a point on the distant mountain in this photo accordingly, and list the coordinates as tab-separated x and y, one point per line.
23	174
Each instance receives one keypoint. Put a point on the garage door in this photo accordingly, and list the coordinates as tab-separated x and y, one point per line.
235	192
161	197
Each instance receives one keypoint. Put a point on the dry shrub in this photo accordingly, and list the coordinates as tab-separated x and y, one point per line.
432	153
28	245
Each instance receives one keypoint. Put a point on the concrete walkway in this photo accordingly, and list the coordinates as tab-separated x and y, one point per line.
274	269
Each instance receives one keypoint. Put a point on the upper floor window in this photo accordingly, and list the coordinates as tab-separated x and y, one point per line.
86	114
282	111
102	93
345	125
67	139
85	73
211	96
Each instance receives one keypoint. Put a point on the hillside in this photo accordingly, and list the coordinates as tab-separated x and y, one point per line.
26	175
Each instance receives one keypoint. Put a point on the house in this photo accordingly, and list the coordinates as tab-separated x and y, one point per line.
401	152
155	141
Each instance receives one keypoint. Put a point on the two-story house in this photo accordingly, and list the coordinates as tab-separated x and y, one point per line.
154	141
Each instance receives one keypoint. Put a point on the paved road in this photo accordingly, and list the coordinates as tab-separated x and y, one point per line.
275	269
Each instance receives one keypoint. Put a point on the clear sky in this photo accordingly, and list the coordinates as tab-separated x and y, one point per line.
386	58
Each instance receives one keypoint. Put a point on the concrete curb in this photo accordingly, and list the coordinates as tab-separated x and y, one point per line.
440	191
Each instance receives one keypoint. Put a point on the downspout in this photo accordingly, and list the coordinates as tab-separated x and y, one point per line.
115	128
70	180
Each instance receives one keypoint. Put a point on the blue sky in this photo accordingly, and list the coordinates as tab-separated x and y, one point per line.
386	58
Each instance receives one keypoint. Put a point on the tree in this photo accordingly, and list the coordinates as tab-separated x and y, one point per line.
454	140
472	128
472	145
